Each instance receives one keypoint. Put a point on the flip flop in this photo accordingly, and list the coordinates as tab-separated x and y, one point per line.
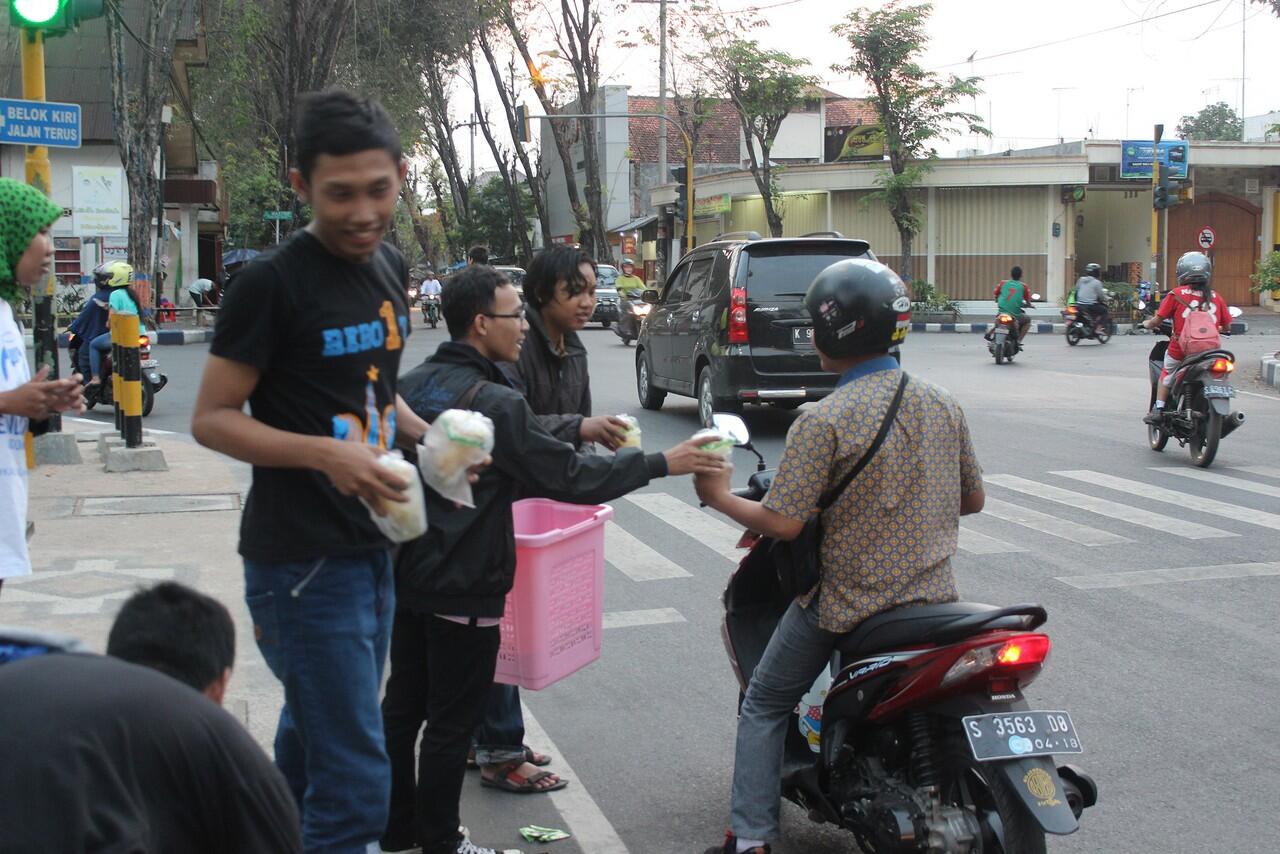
509	781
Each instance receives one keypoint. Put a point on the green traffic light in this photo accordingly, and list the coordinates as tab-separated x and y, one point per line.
37	13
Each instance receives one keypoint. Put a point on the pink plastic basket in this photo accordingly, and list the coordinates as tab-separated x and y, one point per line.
555	611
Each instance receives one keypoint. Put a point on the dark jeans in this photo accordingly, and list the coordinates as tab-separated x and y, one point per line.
500	738
440	676
323	627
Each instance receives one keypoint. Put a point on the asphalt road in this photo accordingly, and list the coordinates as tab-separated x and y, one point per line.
1170	679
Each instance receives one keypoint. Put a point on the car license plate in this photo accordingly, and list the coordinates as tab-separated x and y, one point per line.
802	336
149	363
1219	391
1015	734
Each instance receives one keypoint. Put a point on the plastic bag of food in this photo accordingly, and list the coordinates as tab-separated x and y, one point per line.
456	441
633	431
405	520
721	444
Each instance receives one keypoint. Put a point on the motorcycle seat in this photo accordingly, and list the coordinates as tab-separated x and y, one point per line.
935	624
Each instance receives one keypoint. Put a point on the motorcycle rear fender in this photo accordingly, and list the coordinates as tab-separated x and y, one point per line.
1048	803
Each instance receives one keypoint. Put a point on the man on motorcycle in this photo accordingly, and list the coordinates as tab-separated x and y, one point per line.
431	298
1091	299
92	320
629	285
1194	271
887	540
1011	297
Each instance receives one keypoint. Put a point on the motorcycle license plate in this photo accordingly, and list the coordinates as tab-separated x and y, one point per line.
149	363
1012	735
802	336
1219	391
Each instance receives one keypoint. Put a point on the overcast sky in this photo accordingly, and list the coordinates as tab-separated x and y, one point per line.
1168	63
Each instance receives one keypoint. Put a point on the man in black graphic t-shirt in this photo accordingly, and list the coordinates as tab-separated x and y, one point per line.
311	339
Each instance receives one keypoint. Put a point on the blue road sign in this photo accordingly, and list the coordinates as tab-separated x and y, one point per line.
39	123
1136	156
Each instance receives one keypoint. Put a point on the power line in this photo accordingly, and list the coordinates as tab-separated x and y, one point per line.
1078	36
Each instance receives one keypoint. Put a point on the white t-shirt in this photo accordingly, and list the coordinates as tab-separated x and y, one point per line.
14	371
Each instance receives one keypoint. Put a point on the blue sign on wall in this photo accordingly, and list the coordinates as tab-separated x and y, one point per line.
39	123
1136	156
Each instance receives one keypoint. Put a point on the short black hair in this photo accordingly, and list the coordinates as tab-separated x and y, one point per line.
176	630
478	255
551	266
467	293
337	122
1015	273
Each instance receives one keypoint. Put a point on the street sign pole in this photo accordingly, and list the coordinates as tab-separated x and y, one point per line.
39	174
1155	214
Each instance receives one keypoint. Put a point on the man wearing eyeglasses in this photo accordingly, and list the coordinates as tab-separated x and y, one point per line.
453	581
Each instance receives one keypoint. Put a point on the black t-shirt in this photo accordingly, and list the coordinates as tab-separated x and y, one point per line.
99	755
327	336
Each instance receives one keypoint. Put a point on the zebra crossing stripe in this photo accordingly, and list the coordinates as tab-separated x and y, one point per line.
1124	512
718	536
1265	471
1180	499
630	556
1164	576
980	544
1084	535
1223	480
645	617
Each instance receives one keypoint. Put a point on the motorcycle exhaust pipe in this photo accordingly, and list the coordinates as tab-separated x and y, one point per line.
1231	422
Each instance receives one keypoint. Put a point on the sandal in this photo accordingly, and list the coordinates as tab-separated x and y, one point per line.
531	756
508	780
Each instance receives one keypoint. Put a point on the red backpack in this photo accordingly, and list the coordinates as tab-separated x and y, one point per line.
1199	329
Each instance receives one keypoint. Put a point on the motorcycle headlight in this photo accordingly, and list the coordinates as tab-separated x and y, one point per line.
642	310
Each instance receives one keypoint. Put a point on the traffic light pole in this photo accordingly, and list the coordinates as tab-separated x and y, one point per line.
1155	213
39	174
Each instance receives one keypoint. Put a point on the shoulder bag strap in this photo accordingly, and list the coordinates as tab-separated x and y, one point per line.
469	395
829	497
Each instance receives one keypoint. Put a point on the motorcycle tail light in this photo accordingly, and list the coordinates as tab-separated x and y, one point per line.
738	316
1222	366
1071	309
1005	318
143	341
1013	655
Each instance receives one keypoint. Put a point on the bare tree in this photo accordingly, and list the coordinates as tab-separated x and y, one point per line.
580	43
505	169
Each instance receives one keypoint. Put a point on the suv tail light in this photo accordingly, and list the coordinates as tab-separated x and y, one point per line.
1019	655
738	316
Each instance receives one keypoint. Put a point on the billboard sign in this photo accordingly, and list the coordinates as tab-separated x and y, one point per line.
97	201
1136	156
851	143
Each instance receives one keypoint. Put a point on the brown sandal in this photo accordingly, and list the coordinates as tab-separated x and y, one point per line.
508	780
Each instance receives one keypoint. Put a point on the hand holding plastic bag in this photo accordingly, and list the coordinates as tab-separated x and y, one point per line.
456	442
404	520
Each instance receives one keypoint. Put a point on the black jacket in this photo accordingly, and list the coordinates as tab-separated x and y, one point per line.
557	387
465	563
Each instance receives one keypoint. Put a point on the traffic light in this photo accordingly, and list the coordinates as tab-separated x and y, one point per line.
523	133
53	17
679	174
1160	199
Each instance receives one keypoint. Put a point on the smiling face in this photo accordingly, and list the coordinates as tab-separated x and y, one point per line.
352	197
36	262
499	333
566	313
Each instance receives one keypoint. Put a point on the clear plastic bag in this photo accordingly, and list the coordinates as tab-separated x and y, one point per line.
405	520
633	431
721	444
456	441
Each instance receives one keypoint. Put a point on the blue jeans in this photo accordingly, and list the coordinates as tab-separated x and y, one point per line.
500	738
98	346
323	627
795	656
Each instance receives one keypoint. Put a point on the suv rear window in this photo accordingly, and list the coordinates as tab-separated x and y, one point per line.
787	271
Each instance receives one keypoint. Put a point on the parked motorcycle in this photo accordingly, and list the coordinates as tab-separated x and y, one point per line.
1199	412
1081	325
923	741
631	315
1003	340
431	309
152	379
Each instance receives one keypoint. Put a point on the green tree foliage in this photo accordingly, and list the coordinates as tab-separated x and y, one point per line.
1215	122
916	107
495	225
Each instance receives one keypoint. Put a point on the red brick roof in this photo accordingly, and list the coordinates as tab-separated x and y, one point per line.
850	111
718	143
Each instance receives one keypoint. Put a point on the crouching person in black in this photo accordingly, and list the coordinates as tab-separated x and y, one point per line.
451	584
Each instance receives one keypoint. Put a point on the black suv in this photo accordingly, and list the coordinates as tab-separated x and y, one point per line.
730	327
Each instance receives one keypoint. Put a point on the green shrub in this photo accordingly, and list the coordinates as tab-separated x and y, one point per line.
1267	278
927	298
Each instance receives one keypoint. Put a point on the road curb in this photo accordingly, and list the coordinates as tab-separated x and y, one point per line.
1271	371
1237	328
163	336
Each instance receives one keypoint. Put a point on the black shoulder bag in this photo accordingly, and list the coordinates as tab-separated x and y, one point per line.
796	561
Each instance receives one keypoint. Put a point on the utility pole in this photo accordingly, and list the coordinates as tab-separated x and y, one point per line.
662	90
1155	213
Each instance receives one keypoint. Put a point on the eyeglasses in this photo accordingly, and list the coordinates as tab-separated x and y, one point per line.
516	315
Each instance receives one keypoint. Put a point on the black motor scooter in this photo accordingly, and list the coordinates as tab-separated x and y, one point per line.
631	315
152	379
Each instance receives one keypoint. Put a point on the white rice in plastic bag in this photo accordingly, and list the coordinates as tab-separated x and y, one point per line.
456	441
405	520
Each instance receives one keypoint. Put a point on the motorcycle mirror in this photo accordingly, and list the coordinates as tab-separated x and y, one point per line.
650	295
733	427
1235	312
1036	298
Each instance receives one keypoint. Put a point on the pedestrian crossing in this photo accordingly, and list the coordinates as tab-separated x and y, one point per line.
1022	515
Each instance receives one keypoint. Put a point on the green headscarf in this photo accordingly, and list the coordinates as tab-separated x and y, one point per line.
24	210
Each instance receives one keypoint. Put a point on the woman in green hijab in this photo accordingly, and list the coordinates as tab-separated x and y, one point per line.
26	259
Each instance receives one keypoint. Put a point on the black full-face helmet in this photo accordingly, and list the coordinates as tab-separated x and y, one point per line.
858	307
